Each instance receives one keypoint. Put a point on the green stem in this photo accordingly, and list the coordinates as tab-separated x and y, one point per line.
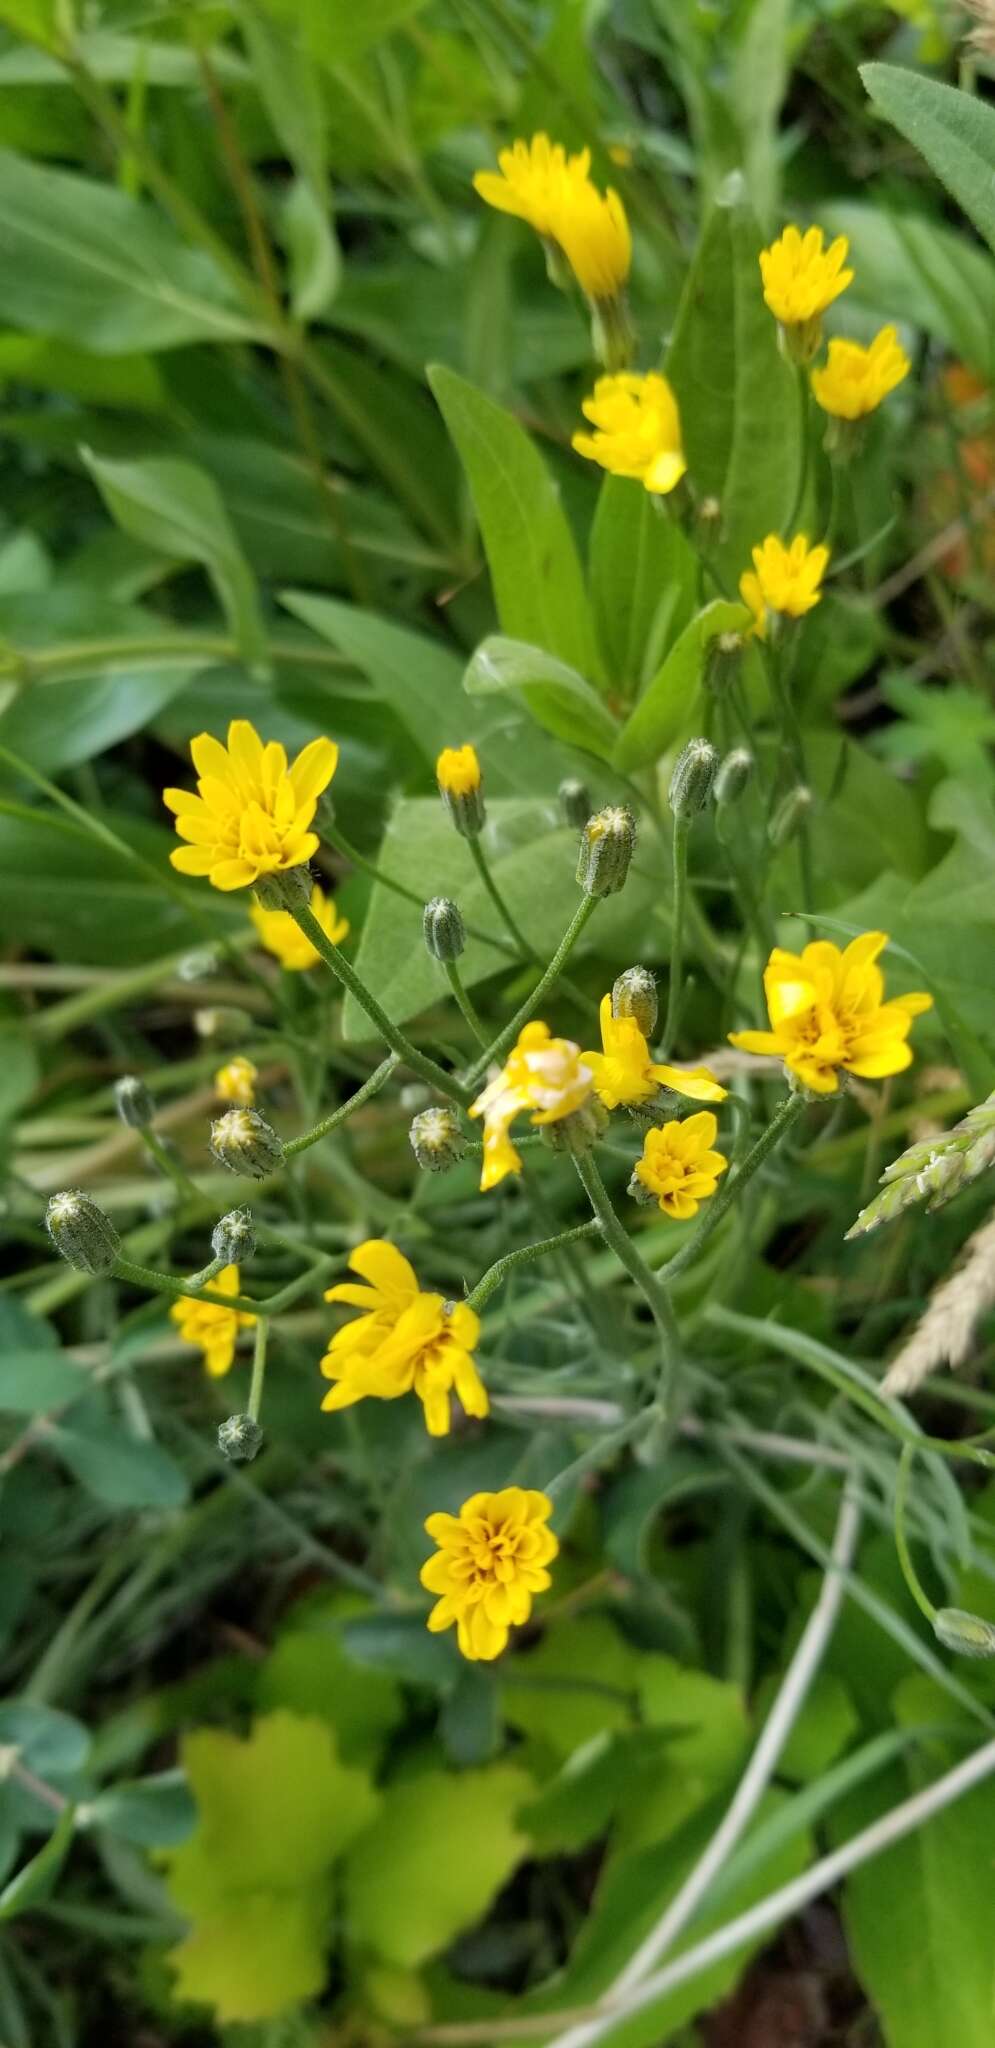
682	829
483	869
466	1007
181	1290
156	648
909	1573
258	1368
625	1251
786	1114
436	1076
344	846
169	1166
495	1274
338	1116
507	1037
206	1275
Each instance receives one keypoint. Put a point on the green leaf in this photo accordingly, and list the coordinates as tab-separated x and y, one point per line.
33	18
640	563
175	508
19	1071
57	721
827	1722
34	1882
31	1381
315	260
311	1672
85	261
338	35
121	1471
392	419
63	893
953	130
53	1745
558	698
760	72
154	1813
670	703
933	276
543	1694
536	575
261	1954
405	1901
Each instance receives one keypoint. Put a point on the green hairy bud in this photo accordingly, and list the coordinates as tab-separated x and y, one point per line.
790	815
933	1169
443	928
233	1238
634	995
606	848
82	1233
692	779
133	1102
966	1634
239	1438
734	773
578	1131
575	801
436	1139
243	1141
722	660
287	889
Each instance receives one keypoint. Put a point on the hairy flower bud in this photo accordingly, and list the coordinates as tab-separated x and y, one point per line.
239	1438
578	1131
81	1231
133	1102
966	1634
243	1141
443	928
233	1238
461	787
436	1139
692	779
634	995
722	659
575	801
285	889
606	848
790	815
734	772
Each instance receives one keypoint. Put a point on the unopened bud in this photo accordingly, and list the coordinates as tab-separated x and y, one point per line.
800	341
606	848
286	889
578	1131
734	772
790	815
722	660
82	1233
243	1141
437	1140
461	787
966	1634
224	1022
133	1102
692	779
233	1238
634	995
239	1439
443	928
575	801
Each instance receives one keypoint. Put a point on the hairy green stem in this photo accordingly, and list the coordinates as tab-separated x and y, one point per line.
654	1294
168	1165
786	1114
483	869
338	1116
464	1004
337	839
258	1380
495	1274
505	1038
436	1076
682	829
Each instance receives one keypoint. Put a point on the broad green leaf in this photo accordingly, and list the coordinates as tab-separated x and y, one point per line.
392	419
340	35
403	1899
827	1722
120	1471
953	130
257	1955
52	1744
287	84
34	1882
125	381
31	1381
921	272
176	508
154	1813
310	1672
57	720
559	699
82	260
541	1694
315	261
760	71
62	893
670	703
107	55
639	563
38	18
538	586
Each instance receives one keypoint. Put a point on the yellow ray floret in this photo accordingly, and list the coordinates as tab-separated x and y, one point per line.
236	1081
490	1563
457	770
406	1341
624	1071
854	380
540	184
637	430
787	580
679	1166
801	277
212	1328
282	936
251	813
543	1074
828	1012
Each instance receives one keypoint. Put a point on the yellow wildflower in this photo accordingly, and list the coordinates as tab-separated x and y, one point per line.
827	1011
544	1074
457	771
593	233
252	811
540	184
801	277
491	1561
235	1082
624	1071
854	380
678	1166
406	1340
282	936
637	430
212	1328
783	579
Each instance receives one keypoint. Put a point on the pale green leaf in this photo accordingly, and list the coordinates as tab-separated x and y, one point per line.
257	1955
559	699
640	565
315	261
670	704
953	130
404	1899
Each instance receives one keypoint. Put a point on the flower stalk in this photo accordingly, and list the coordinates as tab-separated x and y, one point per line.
650	1287
419	1062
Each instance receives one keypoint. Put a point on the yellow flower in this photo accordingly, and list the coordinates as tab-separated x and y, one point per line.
678	1165
212	1328
783	579
252	812
544	1074
801	277
490	1563
827	1010
282	936
236	1082
406	1340
854	380
457	771
637	430
531	180
624	1071
540	184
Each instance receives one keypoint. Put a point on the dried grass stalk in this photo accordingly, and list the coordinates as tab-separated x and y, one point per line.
944	1335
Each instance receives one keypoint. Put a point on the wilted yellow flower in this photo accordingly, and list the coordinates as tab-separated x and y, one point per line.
540	184
490	1564
783	579
544	1074
236	1081
282	936
827	1011
624	1071
801	277
678	1167
252	812
637	430
854	379
406	1340
457	771
212	1328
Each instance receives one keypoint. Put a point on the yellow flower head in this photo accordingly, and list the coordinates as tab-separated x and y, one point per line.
801	277
491	1562
282	936
457	771
531	181
405	1340
854	380
783	579
543	1074
251	814
235	1082
540	184
679	1166
637	430
624	1071
827	1011
213	1328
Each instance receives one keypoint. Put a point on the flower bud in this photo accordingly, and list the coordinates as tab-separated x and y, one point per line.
634	995
692	779
82	1233
606	848
286	889
243	1141
790	815
224	1022
239	1439
575	801
461	788
233	1238
133	1102
966	1634
436	1139
578	1131
734	773
442	925
722	659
